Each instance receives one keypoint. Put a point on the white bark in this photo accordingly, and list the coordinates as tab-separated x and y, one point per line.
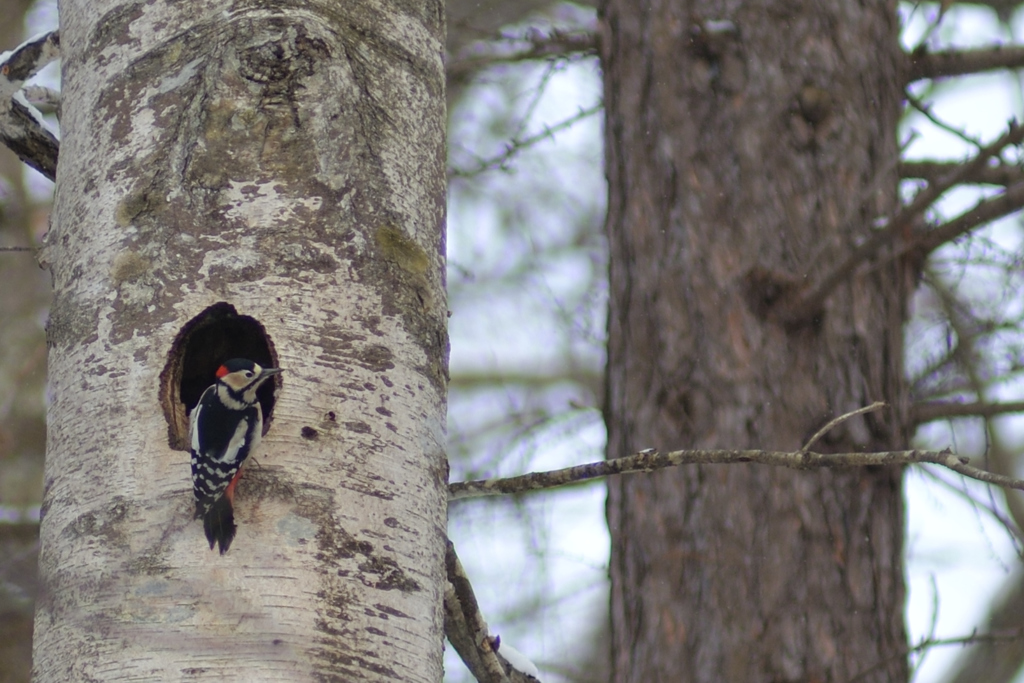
287	160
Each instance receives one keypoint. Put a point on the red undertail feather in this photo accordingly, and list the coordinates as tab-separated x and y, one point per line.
229	493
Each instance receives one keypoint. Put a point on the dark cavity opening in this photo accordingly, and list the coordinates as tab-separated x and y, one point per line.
217	334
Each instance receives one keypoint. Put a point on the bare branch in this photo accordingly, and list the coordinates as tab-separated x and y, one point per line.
517	145
1004	9
46	100
968	329
941	410
464	625
554	45
466	630
806	303
992	637
532	377
21	126
877	405
984	211
995	661
1003	174
927	112
980	501
962	62
28	59
22	133
650	460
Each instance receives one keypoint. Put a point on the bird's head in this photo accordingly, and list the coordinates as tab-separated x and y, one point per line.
243	377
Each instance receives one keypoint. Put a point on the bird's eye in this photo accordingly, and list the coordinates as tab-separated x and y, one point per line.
248	374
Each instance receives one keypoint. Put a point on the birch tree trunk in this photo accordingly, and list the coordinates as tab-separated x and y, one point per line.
258	179
749	147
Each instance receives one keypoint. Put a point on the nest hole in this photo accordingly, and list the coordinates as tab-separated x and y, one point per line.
217	334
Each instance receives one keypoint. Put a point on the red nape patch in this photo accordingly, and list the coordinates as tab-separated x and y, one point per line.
221	371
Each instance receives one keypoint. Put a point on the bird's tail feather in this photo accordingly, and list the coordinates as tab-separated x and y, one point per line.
219	524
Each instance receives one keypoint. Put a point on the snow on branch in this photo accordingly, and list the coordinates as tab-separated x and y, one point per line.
649	460
466	630
464	625
21	125
28	59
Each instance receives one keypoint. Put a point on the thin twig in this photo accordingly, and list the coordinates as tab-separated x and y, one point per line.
650	460
517	145
926	111
967	329
16	249
986	210
974	638
538	95
933	25
959	488
933	627
877	405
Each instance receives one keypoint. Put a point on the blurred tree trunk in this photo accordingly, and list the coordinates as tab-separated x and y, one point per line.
748	147
288	162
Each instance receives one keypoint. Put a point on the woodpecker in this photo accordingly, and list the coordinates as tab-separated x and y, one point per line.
225	427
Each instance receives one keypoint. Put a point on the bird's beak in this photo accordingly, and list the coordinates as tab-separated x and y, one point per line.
268	372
